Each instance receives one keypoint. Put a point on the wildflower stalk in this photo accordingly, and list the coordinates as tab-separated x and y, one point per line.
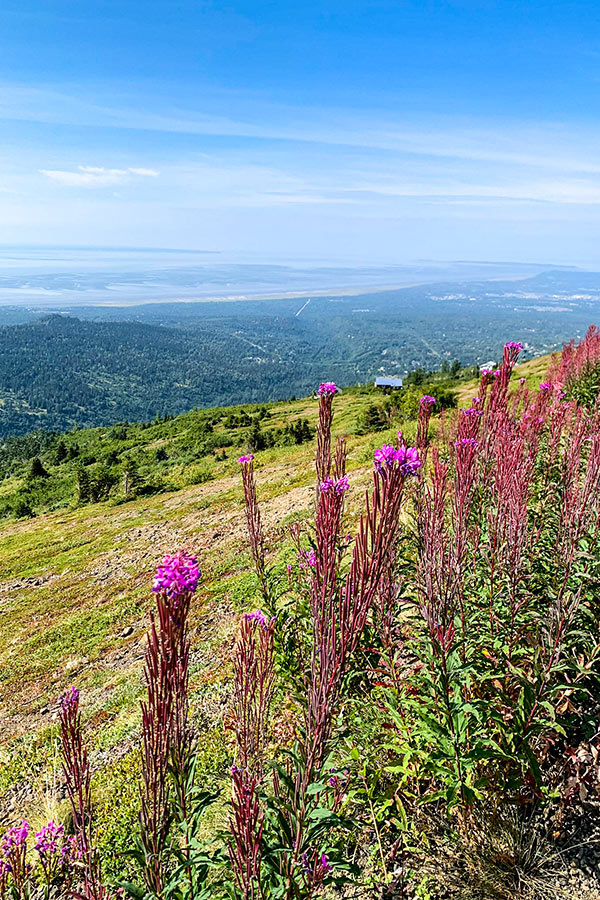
76	768
254	524
253	691
166	735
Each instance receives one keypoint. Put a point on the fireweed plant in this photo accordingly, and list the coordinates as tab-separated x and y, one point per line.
49	870
499	612
444	655
297	845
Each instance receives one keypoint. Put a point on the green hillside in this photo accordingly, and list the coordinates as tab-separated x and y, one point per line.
75	590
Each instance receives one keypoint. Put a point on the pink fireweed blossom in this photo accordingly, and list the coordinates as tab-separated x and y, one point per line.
405	458
259	617
15	838
471	413
325	865
514	345
48	839
522	381
408	460
307	558
384	456
327	388
178	574
426	400
69	699
342	485
326	485
466	442
545	386
244	460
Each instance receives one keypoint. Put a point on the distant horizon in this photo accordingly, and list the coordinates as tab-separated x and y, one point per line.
263	258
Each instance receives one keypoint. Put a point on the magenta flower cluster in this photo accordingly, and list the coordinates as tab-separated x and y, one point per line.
427	400
49	840
466	442
514	345
15	838
307	558
545	386
69	699
339	487
244	460
259	617
327	389
404	458
178	574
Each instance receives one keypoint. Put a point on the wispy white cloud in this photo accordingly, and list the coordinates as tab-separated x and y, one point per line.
535	144
96	176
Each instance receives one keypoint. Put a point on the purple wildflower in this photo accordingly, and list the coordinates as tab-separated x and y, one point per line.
69	699
244	460
177	575
71	849
545	386
342	485
514	345
257	616
307	558
408	460
327	388
47	840
426	400
326	485
466	442
384	456
15	838
325	863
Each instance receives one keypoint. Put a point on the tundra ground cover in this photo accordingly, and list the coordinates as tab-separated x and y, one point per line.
440	657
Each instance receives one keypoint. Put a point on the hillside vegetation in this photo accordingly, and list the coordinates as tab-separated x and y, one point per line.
45	470
443	729
136	363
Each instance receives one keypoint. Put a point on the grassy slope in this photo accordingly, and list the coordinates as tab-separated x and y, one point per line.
74	595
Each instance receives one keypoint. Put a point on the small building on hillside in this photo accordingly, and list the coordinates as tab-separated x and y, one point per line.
388	381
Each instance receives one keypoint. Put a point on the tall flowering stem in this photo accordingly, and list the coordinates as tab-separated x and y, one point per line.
496	405
166	733
253	521
76	768
246	826
426	407
326	393
253	691
340	607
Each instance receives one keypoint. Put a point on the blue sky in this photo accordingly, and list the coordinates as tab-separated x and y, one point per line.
359	132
